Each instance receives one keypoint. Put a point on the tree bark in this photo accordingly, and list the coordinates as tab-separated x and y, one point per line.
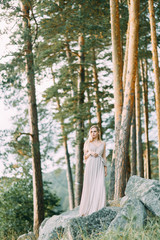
128	169
156	70
68	172
96	82
125	64
80	124
35	145
67	156
118	88
69	58
123	146
140	168
147	171
88	97
133	144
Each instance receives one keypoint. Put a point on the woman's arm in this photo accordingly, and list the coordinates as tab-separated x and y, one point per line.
86	156
104	153
105	160
87	152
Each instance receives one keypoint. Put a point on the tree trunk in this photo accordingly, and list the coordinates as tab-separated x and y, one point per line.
67	156
147	172
118	89
133	143
69	58
68	172
80	124
96	82
156	69
35	146
125	65
112	178
123	146
128	169
140	169
88	98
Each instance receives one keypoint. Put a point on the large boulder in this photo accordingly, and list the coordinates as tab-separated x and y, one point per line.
53	228
79	228
123	201
147	191
133	213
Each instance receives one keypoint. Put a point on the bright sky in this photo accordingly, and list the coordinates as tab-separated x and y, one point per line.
5	113
4	124
5	116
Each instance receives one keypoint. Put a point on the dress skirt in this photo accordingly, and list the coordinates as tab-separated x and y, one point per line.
94	190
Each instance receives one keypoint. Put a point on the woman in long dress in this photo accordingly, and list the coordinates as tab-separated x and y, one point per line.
94	191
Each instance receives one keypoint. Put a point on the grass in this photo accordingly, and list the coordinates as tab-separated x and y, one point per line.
150	231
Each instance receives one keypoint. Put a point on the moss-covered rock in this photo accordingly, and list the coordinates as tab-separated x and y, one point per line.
91	225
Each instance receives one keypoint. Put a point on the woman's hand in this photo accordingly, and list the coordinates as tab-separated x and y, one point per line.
105	170
94	154
90	153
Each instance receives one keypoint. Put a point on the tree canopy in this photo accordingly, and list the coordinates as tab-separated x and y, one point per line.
67	50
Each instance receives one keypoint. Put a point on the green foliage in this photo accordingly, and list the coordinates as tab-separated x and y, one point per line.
16	206
58	25
57	183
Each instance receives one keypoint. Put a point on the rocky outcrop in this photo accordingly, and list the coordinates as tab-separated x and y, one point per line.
53	228
79	228
142	197
69	226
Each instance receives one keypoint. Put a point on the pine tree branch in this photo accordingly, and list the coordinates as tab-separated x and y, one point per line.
72	53
23	133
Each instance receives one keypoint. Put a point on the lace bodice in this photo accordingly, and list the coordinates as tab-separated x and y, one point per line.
99	149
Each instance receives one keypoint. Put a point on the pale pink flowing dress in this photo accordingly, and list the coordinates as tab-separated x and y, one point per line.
94	190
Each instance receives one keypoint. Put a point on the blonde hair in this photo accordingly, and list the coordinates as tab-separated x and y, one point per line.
90	137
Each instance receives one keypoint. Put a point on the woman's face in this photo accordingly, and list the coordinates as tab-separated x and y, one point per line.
94	133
